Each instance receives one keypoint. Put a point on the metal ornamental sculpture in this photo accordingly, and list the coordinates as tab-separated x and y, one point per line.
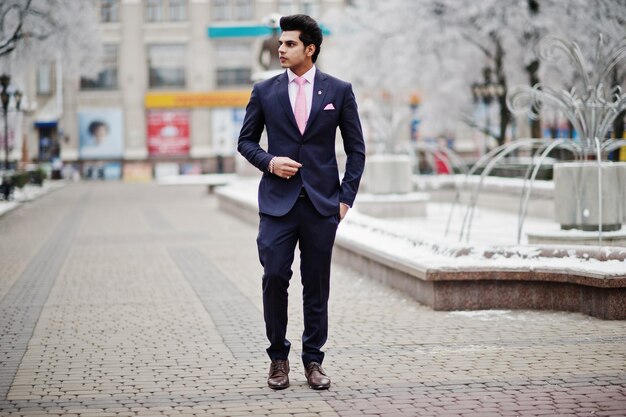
591	108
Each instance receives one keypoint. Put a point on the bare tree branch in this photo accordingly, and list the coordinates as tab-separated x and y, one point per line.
33	31
438	48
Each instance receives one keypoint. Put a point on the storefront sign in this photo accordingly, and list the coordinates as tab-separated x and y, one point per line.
168	132
196	99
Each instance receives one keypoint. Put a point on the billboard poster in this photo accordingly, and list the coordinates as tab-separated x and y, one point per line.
226	125
168	132
101	133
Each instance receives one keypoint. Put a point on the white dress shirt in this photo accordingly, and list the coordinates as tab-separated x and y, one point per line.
309	76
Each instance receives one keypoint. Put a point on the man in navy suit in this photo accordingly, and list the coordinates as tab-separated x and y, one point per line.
301	197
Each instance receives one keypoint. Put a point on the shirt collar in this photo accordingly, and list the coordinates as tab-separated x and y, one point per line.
309	75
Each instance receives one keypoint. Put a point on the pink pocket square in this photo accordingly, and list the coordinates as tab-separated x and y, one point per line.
329	106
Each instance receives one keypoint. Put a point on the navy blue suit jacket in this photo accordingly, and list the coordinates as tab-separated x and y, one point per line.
270	107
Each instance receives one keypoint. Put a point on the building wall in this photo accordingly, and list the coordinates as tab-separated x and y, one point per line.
203	57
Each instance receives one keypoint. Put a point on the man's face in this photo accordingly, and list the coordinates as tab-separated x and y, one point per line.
292	52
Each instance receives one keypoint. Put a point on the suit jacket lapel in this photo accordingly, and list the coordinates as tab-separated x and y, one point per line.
282	92
320	87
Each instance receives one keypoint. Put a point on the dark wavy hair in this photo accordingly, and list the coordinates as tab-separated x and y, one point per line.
95	125
310	31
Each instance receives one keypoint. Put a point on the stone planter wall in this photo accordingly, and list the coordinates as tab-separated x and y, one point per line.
577	203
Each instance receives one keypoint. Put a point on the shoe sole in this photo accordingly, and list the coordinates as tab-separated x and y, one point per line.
278	387
319	387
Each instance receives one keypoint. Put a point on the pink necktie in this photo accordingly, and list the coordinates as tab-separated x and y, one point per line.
300	110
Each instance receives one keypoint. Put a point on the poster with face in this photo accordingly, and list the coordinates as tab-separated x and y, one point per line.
101	133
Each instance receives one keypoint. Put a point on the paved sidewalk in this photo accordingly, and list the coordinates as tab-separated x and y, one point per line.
121	300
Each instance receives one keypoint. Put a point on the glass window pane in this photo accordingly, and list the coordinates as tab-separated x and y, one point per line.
243	10
109	10
154	10
166	66
44	79
234	62
286	7
233	54
220	10
228	50
177	10
311	8
107	78
233	76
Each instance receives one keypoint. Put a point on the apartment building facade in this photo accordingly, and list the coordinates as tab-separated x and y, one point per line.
171	95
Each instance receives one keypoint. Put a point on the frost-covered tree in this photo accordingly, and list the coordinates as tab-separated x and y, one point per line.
443	47
34	31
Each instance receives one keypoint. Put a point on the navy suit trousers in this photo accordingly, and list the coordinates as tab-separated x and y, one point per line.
276	243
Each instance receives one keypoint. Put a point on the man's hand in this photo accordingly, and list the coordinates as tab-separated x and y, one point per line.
343	210
285	167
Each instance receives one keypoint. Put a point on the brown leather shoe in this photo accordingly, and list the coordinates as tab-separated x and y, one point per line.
279	375
316	377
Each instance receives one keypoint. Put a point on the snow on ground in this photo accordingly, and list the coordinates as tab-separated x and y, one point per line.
28	193
422	242
423	248
426	182
488	228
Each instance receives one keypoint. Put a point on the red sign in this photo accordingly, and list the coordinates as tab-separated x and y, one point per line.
168	132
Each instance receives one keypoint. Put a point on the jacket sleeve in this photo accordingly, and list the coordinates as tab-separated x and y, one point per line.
354	146
250	135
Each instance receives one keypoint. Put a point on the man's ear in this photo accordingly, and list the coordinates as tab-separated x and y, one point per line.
310	50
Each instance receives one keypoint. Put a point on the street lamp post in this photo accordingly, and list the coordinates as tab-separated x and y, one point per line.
484	93
5	97
7	181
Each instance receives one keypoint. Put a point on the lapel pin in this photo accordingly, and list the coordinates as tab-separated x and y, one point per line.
319	93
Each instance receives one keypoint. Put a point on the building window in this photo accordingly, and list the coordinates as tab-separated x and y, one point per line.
109	11
311	8
233	50
233	76
165	10
177	10
154	10
243	10
107	78
166	66
308	7
221	10
44	79
233	60
232	10
286	7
